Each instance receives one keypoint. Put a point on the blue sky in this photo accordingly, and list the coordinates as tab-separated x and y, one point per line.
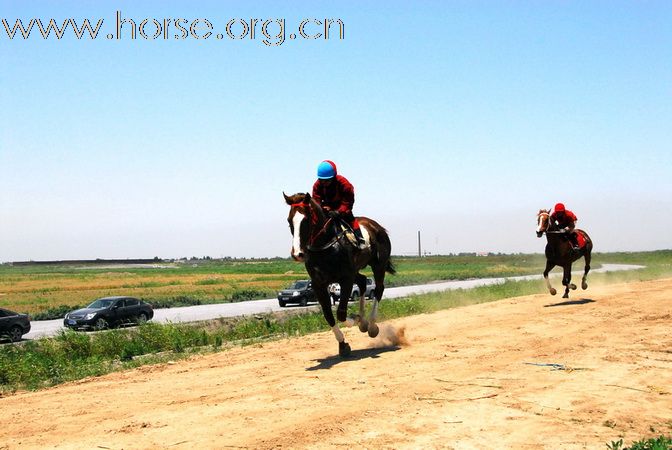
456	119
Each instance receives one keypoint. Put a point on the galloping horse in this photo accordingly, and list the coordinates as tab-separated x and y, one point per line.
559	252
330	257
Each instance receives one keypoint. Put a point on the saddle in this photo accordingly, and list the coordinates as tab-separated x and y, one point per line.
580	238
347	230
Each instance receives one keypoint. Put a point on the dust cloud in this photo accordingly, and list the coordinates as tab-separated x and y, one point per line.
391	336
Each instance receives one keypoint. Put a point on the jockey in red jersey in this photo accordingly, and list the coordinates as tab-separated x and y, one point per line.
336	196
565	220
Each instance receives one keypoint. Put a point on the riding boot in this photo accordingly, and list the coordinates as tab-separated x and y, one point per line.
361	243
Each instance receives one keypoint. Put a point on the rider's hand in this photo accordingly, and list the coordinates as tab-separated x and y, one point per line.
566	230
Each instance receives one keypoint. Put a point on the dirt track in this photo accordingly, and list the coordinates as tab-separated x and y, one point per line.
461	382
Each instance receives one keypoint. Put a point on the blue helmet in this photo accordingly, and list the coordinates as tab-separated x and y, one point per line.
326	170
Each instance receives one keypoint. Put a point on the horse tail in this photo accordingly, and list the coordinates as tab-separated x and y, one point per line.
382	247
386	252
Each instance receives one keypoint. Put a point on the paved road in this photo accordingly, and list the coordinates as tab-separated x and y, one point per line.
202	312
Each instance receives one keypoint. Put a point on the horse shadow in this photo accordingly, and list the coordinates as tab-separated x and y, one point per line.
356	355
583	301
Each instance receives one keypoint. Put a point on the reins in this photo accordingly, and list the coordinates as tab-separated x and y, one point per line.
548	225
314	237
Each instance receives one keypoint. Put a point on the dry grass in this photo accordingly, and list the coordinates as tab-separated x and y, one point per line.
35	293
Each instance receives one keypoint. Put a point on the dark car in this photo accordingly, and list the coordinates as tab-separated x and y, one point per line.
300	292
13	325
109	312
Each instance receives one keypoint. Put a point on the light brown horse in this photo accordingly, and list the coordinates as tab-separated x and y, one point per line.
559	252
331	257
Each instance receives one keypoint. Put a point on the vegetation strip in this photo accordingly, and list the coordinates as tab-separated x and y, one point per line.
49	291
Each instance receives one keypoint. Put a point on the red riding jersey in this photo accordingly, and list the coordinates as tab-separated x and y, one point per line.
566	220
339	195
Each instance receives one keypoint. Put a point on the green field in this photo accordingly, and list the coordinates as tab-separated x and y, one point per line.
47	291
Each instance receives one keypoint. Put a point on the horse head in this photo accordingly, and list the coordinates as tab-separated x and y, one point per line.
543	222
305	216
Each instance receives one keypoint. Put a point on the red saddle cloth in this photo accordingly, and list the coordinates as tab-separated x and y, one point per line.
580	239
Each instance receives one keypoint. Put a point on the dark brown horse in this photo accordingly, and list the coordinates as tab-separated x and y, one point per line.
331	257
559	252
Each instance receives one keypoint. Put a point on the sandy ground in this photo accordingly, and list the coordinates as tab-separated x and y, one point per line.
457	379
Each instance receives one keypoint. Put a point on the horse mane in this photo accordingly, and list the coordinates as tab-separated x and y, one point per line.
317	209
304	198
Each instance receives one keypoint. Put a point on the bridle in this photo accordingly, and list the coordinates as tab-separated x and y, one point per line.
548	224
540	222
313	237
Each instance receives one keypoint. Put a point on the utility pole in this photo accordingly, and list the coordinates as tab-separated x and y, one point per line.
419	247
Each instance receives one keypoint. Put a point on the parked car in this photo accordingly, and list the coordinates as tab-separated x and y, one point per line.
300	292
109	312
13	325
335	290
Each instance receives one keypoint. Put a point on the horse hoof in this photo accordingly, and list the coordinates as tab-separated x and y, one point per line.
553	291
566	295
572	287
373	330
363	325
343	349
584	285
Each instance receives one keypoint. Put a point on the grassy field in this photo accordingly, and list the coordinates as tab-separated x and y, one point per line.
47	291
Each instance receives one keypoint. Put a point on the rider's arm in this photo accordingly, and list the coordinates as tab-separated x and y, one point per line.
347	196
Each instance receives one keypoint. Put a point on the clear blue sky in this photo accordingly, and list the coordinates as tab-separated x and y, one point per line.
456	118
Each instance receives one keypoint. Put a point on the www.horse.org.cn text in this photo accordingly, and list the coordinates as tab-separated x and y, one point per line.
271	32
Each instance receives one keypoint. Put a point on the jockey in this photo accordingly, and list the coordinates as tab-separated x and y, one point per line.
336	196
565	220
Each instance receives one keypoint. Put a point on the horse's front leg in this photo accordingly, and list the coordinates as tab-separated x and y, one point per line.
325	304
567	280
549	266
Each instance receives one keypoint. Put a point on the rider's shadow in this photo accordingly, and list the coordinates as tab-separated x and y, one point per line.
583	301
355	355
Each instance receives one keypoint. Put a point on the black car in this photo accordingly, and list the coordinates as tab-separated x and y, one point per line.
300	292
13	325
109	312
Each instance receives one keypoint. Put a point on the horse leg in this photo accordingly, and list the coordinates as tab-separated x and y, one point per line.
566	280
363	323
373	326
360	280
379	277
325	304
549	266
584	283
342	309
